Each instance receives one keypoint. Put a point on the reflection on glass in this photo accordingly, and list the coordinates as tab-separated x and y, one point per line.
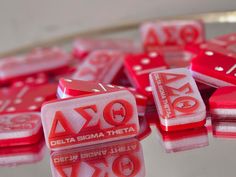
121	158
20	155
208	123
145	130
224	127
183	140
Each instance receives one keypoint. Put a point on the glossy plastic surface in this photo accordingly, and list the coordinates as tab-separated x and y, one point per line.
215	160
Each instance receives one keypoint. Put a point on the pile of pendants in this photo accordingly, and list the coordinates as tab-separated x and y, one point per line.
114	89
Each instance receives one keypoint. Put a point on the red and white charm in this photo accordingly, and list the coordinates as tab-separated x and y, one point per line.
139	66
225	45
25	98
90	119
83	47
20	129
33	80
120	158
183	140
223	101
39	60
69	88
100	66
171	33
178	101
214	69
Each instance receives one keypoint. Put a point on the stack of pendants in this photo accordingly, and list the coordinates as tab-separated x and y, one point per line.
108	90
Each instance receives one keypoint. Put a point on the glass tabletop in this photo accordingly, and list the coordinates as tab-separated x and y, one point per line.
204	152
196	158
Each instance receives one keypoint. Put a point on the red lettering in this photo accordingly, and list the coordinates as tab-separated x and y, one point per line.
127	165
68	170
186	104
170	32
170	77
100	59
60	126
186	89
118	112
83	112
189	34
151	39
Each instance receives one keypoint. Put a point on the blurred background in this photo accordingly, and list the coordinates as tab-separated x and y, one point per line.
26	21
